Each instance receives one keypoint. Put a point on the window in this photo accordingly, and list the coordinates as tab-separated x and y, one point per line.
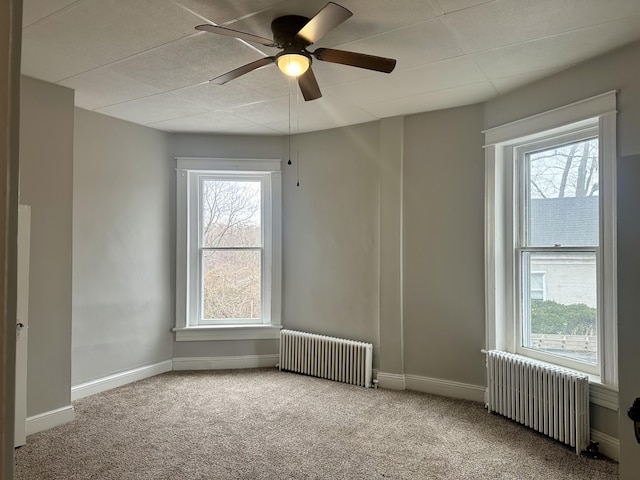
557	225
228	249
550	237
537	286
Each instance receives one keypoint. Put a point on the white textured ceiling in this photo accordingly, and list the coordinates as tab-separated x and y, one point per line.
142	60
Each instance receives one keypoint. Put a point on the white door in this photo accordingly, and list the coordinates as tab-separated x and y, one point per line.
24	232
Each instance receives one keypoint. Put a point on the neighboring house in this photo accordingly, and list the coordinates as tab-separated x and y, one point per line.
567	221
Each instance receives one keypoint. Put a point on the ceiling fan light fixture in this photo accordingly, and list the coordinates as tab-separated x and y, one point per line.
293	64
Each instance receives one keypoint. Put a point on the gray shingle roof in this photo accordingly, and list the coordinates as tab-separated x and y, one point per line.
569	221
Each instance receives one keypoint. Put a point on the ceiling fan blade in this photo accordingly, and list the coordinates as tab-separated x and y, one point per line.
326	19
309	85
238	72
236	34
360	60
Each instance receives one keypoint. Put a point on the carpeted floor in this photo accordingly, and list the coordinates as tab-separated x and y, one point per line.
266	424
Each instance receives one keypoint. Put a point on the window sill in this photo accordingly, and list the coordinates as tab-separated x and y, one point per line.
602	395
227	332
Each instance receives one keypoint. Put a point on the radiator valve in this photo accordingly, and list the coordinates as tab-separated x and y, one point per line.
593	449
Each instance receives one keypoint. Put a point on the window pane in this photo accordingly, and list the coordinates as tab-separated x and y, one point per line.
230	213
562	203
537	286
231	284
565	322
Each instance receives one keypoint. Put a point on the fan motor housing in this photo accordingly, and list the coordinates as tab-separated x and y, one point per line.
285	31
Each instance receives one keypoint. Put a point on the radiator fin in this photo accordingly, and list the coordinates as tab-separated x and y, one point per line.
338	359
546	398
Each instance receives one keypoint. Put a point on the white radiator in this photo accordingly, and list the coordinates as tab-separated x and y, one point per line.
336	359
551	400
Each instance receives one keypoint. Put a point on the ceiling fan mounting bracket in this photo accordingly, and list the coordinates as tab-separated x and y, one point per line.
285	32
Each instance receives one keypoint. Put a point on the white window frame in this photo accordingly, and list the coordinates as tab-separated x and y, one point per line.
518	151
500	226
190	173
196	179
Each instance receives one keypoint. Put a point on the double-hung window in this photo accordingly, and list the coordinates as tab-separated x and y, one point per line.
557	241
228	261
550	260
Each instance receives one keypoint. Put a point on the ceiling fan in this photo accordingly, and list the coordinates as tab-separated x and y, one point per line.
293	34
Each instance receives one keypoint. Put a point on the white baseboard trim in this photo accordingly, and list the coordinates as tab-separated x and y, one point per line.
53	418
392	381
445	388
609	445
227	362
119	379
434	386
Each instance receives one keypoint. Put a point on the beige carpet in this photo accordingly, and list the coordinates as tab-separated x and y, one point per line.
266	424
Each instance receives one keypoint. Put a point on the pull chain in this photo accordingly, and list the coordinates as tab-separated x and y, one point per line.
298	132
289	162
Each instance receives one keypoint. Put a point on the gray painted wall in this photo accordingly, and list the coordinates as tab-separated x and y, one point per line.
122	287
46	183
443	208
619	70
331	234
226	146
225	348
391	351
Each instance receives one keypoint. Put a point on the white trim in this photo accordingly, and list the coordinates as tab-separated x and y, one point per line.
182	258
275	247
227	362
52	418
393	381
491	255
609	446
189	170
227	332
608	239
229	164
445	388
119	379
602	104
603	396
